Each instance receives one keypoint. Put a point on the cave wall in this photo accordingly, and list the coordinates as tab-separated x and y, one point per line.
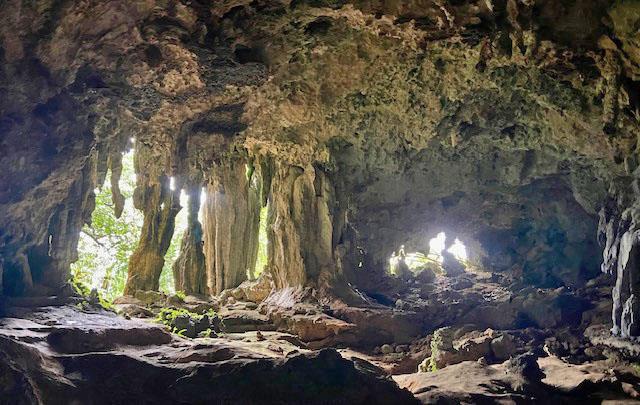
189	269
78	80
618	235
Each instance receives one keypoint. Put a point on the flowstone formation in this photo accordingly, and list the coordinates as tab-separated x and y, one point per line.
360	126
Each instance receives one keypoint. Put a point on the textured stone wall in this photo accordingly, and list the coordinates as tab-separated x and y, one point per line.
619	235
300	226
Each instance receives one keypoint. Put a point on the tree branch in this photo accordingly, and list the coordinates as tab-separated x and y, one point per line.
94	238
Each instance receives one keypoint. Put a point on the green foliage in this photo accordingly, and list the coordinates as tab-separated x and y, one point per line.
207	333
248	171
106	245
181	333
91	297
181	295
167	315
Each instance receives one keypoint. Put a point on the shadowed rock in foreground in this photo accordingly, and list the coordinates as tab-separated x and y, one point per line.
61	355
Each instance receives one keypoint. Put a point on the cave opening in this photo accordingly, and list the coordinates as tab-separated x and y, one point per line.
263	241
440	256
438	244
106	244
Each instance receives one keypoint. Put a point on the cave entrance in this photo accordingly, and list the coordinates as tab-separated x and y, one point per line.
105	246
438	244
403	263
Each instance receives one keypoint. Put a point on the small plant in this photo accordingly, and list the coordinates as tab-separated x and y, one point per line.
207	333
181	333
189	324
181	294
167	316
90	296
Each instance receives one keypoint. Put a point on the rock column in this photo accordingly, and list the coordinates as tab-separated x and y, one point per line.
160	205
231	221
189	269
300	226
619	232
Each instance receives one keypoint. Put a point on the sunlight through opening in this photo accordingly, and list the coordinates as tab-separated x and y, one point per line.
417	261
436	246
458	250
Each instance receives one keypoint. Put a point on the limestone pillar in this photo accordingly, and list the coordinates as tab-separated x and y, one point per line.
230	224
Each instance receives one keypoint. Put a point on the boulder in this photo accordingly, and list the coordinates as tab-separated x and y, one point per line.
151	297
503	347
451	265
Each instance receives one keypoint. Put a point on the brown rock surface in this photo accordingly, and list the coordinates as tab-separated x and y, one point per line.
119	361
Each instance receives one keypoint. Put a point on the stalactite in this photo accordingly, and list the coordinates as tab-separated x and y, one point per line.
231	221
189	269
160	205
301	226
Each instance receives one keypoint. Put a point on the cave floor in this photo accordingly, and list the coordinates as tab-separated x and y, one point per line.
74	354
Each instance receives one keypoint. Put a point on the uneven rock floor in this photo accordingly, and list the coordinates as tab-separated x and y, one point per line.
62	355
291	349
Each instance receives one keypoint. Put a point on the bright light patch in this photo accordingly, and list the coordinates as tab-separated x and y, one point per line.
203	198
393	260
184	198
436	246
458	250
172	183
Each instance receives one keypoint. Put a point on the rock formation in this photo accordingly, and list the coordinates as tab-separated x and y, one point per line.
231	219
189	269
363	126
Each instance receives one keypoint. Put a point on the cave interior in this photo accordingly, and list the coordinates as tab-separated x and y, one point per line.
442	195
